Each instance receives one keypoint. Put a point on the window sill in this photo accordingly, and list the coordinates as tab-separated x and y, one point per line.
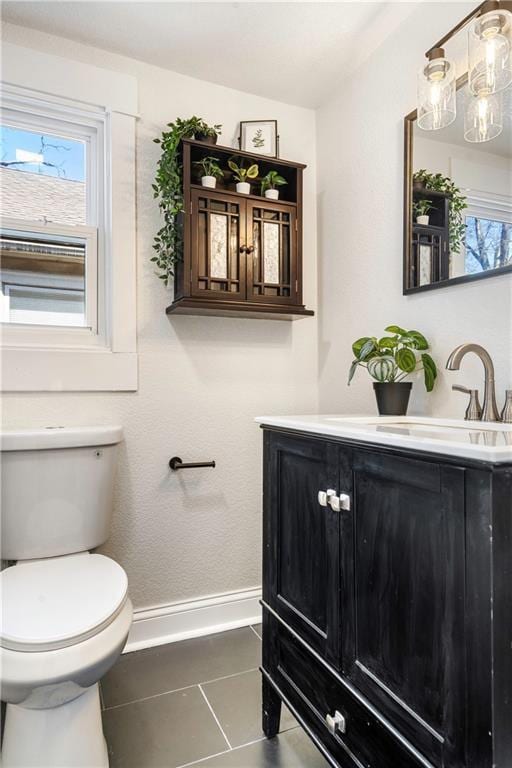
59	370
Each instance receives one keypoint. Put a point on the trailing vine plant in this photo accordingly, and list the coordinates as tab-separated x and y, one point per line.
458	203
168	189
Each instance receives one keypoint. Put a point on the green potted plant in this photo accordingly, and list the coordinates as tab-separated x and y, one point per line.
269	184
207	133
421	209
241	175
436	182
209	170
168	189
389	360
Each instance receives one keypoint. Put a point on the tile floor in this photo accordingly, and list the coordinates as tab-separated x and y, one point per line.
198	703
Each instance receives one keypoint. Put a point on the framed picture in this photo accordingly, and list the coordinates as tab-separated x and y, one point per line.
260	137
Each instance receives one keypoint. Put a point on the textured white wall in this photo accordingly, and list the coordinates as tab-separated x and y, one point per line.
202	380
360	167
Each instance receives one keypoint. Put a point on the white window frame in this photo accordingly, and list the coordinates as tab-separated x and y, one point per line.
102	357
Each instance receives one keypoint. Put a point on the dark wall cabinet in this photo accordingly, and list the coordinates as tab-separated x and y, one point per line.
388	618
242	254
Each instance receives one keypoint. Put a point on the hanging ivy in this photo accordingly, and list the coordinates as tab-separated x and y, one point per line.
458	203
168	189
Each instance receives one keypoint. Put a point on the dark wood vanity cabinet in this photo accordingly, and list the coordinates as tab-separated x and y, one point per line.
388	625
241	254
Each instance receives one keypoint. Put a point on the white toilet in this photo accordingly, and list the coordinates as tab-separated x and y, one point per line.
65	612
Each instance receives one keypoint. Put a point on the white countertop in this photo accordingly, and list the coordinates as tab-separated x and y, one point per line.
485	441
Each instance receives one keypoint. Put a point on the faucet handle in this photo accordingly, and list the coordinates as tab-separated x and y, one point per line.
474	409
506	414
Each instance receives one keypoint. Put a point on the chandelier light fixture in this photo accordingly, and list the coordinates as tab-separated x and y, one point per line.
483	116
490	50
489	73
437	104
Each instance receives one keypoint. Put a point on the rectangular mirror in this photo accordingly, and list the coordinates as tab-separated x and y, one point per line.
458	201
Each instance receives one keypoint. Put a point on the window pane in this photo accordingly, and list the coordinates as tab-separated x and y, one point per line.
42	279
42	176
488	244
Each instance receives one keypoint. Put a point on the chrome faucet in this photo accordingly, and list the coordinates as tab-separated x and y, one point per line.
490	409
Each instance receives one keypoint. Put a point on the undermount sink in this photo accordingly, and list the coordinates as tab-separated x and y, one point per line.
488	441
476	432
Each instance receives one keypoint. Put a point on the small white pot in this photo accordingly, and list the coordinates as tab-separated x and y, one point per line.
423	220
273	194
209	181
243	187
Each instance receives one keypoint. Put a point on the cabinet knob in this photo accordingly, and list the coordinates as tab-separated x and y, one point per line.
324	496
243	249
250	249
338	503
336	723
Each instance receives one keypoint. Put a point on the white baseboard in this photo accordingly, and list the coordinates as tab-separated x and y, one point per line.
206	616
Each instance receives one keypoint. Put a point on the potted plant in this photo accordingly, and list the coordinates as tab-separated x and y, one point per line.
241	175
421	209
168	189
389	361
210	171
458	203
269	183
207	133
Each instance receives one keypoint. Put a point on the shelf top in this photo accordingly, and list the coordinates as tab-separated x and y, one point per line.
242	153
431	192
259	198
428	227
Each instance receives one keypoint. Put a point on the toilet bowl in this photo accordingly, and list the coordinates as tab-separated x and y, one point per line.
65	623
65	618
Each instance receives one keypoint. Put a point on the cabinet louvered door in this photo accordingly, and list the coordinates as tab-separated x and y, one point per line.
272	260
218	268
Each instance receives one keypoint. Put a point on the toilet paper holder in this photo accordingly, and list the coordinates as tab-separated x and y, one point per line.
176	463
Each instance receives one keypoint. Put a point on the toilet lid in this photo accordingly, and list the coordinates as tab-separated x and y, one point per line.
54	603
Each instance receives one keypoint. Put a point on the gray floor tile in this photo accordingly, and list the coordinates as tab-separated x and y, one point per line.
162	732
292	749
169	667
236	702
257	629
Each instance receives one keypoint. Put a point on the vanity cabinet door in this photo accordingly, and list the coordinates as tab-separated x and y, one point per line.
301	560
404	647
218	263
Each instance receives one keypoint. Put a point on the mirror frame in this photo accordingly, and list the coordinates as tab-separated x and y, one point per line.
409	121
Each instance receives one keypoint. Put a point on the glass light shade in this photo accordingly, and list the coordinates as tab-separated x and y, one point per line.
490	52
437	105
483	117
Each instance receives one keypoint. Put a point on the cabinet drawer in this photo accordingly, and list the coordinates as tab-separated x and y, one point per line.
360	738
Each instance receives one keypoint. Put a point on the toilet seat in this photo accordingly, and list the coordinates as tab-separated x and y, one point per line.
58	602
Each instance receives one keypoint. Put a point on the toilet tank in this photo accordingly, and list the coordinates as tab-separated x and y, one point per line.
57	490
